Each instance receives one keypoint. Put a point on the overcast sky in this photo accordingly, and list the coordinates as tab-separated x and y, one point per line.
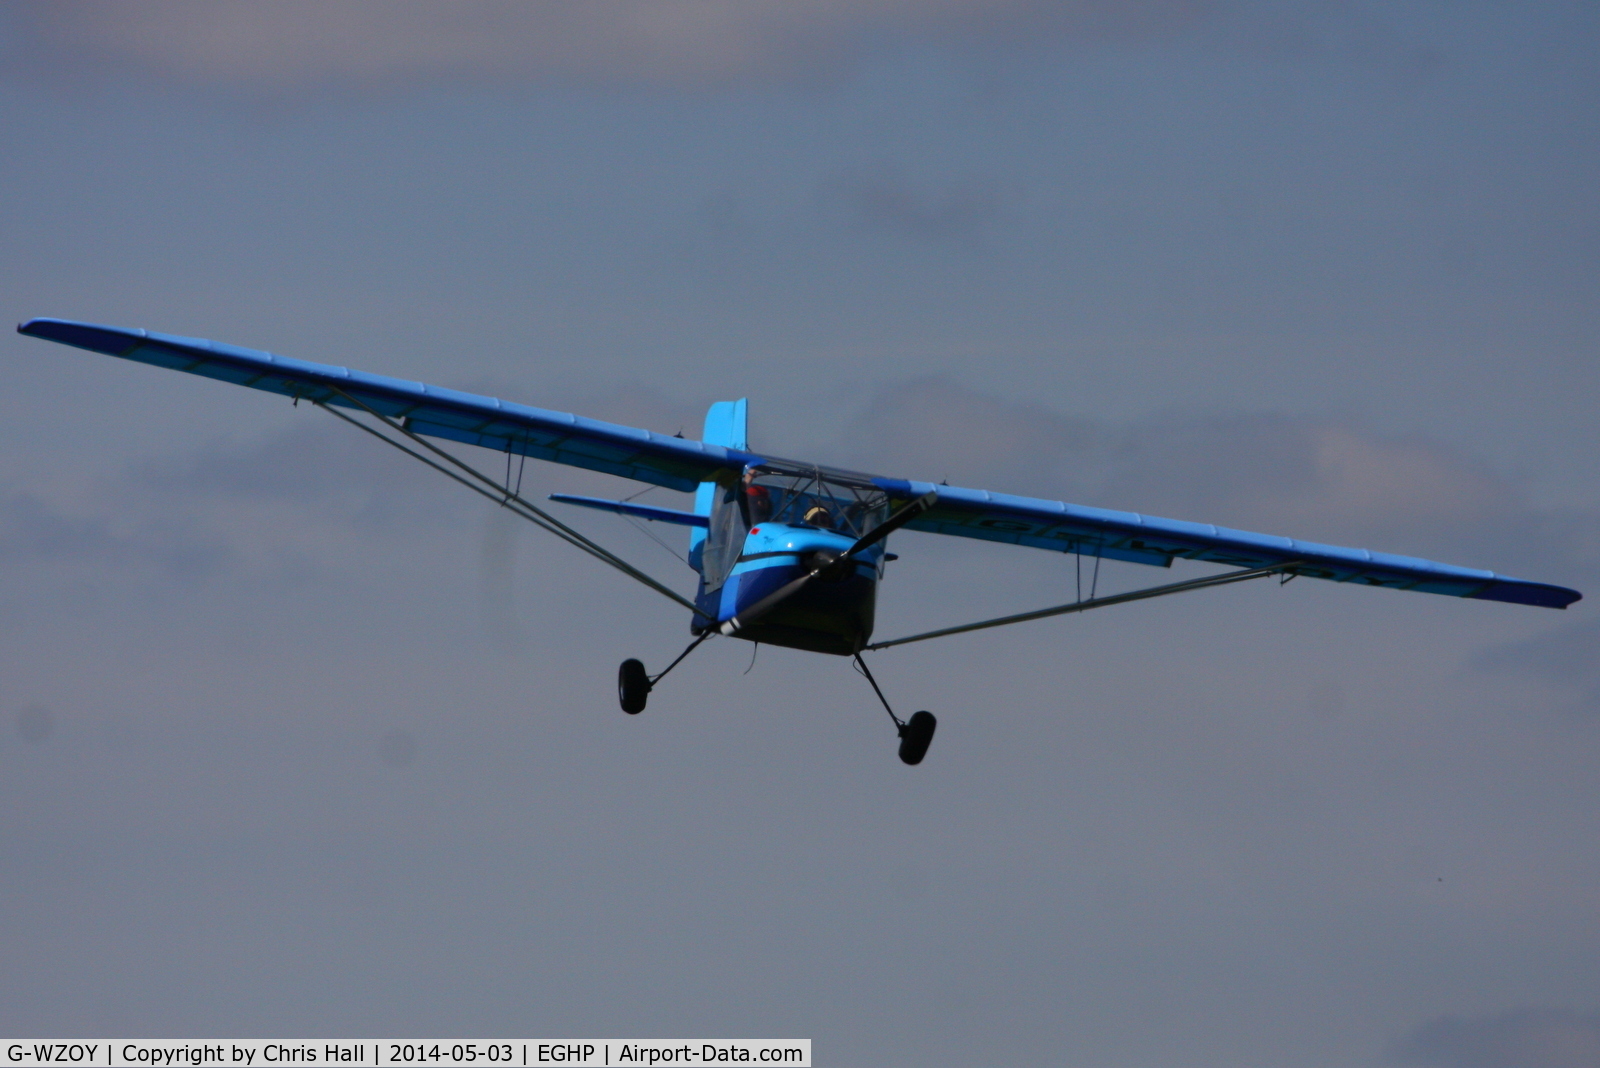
299	740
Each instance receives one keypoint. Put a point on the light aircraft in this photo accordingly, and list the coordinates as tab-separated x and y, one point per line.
788	553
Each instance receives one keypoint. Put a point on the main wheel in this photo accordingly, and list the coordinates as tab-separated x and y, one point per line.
916	736
633	687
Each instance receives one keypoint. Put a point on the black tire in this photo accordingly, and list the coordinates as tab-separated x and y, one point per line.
916	736
633	687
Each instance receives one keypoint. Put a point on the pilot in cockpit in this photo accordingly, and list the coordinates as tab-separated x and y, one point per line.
757	499
820	517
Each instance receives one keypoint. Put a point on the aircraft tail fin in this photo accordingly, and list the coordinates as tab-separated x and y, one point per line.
726	423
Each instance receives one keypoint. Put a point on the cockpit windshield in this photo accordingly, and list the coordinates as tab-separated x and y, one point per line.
813	497
793	494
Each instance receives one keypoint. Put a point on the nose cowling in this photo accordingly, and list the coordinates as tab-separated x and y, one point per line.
829	565
812	548
831	611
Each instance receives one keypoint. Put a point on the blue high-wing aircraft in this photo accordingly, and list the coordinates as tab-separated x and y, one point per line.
788	553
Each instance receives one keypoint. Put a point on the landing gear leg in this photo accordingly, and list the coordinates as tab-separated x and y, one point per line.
916	734
634	684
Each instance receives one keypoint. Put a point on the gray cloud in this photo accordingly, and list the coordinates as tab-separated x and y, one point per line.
311	459
292	46
932	428
35	724
397	748
887	202
311	495
31	527
1568	657
1354	33
1523	1038
1326	479
281	501
1321	479
35	530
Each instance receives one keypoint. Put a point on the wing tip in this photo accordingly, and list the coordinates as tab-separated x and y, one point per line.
1536	594
110	340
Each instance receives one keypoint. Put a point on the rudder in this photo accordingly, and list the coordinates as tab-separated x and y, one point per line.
726	423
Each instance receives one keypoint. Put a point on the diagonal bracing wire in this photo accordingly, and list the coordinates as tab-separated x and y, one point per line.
1224	579
505	496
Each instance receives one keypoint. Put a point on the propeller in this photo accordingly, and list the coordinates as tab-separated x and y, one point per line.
826	565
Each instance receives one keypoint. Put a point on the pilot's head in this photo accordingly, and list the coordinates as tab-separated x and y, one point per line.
819	516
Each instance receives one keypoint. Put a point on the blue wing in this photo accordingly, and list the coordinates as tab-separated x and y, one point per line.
680	464
1147	539
675	463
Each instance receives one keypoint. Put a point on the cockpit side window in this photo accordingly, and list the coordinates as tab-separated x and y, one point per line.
724	536
758	500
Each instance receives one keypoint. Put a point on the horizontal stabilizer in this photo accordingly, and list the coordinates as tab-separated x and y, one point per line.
642	511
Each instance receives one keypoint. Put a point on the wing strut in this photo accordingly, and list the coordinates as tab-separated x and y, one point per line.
504	496
1224	579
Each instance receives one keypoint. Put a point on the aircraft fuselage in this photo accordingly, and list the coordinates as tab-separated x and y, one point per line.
833	614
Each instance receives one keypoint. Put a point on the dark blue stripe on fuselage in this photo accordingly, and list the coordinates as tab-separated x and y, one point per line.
825	617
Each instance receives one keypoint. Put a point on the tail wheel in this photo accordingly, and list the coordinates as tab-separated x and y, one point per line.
633	687
916	736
